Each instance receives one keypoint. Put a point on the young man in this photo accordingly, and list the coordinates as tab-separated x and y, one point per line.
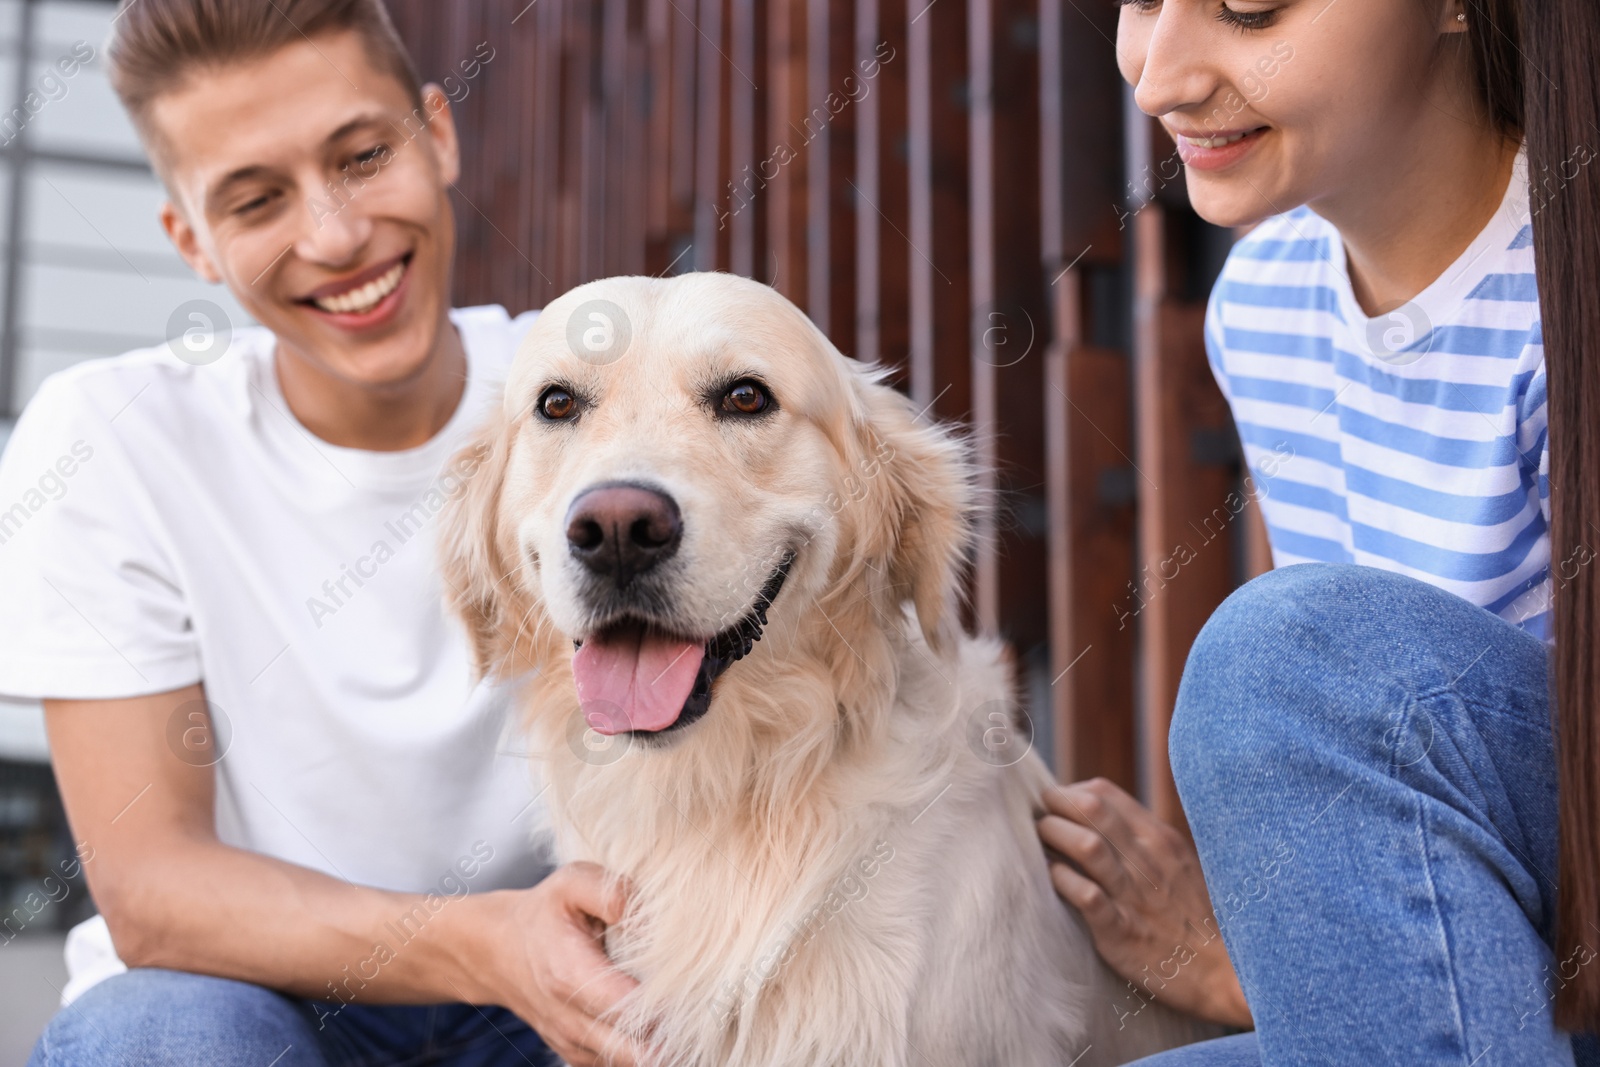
297	812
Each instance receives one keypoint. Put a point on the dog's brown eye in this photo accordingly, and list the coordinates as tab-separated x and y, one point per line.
557	403
746	398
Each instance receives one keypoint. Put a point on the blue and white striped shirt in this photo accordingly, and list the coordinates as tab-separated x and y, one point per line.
1413	441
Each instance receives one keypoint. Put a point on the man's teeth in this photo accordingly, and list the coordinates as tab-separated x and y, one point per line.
1217	142
365	298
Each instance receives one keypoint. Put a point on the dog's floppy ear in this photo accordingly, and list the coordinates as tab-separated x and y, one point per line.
474	550
913	509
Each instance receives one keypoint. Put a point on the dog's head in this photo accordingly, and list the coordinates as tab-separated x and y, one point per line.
686	484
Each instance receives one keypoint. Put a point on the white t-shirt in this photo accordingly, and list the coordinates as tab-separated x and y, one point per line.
163	524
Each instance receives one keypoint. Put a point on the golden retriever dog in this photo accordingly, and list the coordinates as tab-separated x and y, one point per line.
727	559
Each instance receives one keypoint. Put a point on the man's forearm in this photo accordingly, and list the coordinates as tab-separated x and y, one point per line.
212	909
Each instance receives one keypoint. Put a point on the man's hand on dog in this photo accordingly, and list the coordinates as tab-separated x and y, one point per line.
548	964
1138	884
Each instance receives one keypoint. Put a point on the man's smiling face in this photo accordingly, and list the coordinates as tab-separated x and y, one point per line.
307	181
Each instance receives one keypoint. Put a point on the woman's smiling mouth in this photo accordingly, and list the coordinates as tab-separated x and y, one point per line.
1214	150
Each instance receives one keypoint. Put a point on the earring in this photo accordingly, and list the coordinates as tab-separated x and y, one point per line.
1461	18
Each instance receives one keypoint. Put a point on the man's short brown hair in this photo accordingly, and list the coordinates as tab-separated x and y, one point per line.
158	44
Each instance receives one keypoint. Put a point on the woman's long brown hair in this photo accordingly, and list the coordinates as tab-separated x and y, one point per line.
1535	61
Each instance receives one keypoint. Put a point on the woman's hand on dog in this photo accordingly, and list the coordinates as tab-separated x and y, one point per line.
1138	884
546	961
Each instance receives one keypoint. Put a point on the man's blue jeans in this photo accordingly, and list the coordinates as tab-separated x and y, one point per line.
154	1018
1367	764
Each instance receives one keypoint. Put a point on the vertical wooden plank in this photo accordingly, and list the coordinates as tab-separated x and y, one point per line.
711	160
815	143
1091	551
590	102
1184	572
1008	317
786	93
544	134
989	320
882	213
1090	481
512	89
475	24
828	136
673	90
818	146
741	207
638	168
868	239
685	115
571	94
940	295
486	189
618	180
658	179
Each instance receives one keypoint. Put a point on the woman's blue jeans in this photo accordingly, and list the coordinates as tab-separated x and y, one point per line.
1366	762
157	1018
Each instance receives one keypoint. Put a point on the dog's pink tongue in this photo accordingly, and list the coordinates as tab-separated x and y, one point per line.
641	679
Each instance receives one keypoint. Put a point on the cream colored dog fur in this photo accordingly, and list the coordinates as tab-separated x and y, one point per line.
829	867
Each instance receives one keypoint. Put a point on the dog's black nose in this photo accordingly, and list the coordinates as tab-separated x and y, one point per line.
619	531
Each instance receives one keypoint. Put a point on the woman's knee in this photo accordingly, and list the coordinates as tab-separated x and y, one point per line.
1320	659
150	1016
1317	654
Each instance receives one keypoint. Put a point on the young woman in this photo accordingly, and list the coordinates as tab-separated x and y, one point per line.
1398	831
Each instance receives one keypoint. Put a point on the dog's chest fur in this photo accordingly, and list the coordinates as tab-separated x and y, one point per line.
895	912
